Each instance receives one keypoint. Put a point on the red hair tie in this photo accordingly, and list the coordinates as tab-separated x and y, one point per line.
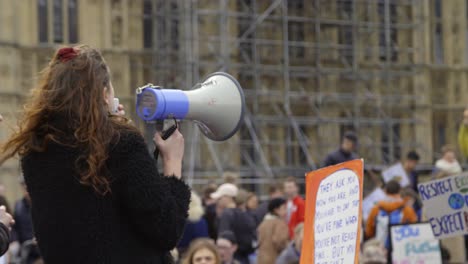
66	54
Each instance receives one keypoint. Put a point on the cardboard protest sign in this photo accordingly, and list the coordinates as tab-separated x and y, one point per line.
447	203
398	173
332	228
414	244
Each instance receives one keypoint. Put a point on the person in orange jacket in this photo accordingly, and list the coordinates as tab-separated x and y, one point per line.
392	210
295	205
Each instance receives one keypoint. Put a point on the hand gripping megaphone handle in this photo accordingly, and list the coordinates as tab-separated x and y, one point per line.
166	135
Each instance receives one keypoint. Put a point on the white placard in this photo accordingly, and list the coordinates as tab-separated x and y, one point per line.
368	203
415	244
337	218
446	201
396	172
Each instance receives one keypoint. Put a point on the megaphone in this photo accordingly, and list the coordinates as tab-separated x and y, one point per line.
217	105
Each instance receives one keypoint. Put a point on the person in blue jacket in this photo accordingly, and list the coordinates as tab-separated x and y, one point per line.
196	226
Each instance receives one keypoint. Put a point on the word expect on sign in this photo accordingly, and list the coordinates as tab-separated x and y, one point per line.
414	244
333	214
448	200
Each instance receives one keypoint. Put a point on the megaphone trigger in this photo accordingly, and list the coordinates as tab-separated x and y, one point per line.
165	135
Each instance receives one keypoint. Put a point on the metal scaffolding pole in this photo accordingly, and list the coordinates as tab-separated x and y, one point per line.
279	85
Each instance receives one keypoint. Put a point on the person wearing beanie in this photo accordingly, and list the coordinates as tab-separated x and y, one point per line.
273	232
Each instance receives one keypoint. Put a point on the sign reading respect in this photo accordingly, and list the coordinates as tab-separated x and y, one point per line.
448	202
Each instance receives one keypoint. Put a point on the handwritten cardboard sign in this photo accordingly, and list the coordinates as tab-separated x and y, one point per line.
332	229
398	173
447	203
414	244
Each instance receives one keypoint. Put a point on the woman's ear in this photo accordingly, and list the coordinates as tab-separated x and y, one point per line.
106	95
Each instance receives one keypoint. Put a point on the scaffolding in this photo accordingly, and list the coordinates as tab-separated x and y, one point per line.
310	71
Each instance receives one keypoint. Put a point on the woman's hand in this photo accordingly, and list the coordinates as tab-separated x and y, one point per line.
172	152
6	218
120	110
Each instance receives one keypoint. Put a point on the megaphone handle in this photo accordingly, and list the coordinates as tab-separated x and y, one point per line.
166	135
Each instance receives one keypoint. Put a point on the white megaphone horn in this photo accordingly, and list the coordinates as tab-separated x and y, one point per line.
217	106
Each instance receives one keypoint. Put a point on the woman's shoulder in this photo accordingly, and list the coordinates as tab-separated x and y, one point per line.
128	139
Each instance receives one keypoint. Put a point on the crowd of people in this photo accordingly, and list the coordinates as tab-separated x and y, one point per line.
228	225
89	180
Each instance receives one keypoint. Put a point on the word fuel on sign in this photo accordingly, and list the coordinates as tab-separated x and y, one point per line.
415	243
337	218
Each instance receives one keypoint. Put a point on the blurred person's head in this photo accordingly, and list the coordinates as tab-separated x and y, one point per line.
207	191
227	246
224	196
231	177
202	251
274	191
411	197
1	118
374	252
448	153
278	208
465	117
349	142
291	189
196	209
392	188
411	161
252	201
241	198
72	105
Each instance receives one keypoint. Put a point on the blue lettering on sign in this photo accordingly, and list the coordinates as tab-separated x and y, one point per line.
338	251
348	236
342	195
335	240
321	202
426	247
319	255
433	189
404	232
354	190
327	187
447	224
340	183
456	201
351	220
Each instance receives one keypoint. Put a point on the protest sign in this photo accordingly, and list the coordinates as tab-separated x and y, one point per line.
332	229
398	173
414	244
447	203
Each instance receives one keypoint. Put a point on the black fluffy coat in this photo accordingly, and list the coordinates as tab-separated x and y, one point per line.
138	222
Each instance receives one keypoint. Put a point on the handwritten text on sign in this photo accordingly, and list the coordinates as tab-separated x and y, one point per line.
448	200
415	244
337	218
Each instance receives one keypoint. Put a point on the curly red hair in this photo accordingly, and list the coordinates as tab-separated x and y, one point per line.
73	90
